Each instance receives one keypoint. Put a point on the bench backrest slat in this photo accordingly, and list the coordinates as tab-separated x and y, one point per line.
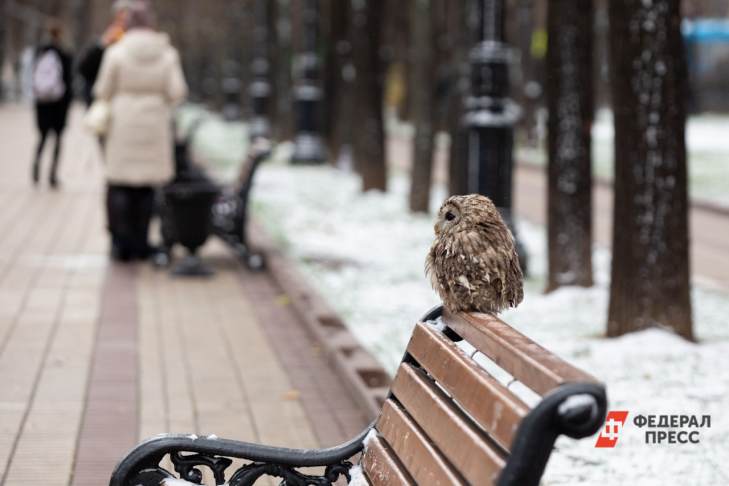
453	416
524	359
381	466
424	463
464	444
497	410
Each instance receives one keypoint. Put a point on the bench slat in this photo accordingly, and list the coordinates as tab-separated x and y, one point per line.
458	439
381	467
486	400
524	359
424	463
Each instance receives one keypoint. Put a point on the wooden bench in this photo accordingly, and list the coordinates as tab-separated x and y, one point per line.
446	421
230	213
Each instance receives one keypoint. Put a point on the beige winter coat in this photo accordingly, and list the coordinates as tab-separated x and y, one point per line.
141	78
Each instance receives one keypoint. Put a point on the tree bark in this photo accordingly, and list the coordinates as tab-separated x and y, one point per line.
336	85
369	138
81	14
398	39
650	265
422	90
286	23
570	106
274	59
456	56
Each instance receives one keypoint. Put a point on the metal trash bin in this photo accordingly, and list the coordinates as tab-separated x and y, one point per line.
189	207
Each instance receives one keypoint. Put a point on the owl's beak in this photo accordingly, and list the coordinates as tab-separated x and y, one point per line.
437	227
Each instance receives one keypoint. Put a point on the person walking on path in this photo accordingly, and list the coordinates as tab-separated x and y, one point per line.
90	61
52	78
141	79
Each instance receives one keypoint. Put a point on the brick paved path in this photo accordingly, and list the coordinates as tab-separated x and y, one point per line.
95	356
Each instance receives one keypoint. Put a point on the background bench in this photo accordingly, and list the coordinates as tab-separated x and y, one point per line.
447	420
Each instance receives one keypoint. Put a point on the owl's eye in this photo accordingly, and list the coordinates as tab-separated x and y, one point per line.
449	216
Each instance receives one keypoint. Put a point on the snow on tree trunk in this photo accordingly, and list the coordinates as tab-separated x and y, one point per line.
369	130
650	267
570	105
422	89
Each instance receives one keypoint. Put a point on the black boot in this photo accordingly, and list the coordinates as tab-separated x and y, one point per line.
36	161
53	179
36	173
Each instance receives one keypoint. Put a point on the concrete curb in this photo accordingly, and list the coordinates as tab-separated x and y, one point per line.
366	379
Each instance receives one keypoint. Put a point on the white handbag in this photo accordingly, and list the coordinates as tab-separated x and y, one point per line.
98	117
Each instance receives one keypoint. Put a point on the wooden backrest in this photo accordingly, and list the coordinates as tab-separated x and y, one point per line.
449	421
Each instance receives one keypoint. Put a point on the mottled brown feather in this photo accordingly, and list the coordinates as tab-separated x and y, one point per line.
473	264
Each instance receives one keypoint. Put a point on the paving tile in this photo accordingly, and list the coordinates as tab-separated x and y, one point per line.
94	356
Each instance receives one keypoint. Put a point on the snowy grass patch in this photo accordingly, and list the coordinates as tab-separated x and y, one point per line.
365	253
706	143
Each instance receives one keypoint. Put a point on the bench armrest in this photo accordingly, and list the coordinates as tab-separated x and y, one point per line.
576	410
188	453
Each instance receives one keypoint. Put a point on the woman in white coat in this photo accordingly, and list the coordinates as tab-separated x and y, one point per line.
141	78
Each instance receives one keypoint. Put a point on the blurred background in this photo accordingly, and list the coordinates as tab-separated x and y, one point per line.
599	128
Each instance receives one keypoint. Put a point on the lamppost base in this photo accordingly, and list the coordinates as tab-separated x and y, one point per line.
308	150
259	128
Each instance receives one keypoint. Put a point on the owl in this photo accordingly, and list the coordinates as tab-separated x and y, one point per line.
473	264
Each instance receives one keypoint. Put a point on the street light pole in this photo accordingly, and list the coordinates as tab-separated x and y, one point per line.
231	84
491	115
259	89
308	144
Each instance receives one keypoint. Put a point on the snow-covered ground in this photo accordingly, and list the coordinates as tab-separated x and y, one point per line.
708	154
365	252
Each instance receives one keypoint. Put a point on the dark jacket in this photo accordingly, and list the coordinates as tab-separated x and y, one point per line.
52	115
88	68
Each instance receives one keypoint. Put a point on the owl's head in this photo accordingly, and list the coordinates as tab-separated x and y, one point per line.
459	213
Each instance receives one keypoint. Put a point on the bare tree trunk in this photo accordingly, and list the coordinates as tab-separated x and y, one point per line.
398	38
81	18
528	91
570	105
422	90
273	54
286	13
369	138
336	86
650	266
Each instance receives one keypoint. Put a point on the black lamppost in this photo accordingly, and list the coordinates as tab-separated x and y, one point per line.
491	115
259	89
230	86
308	144
231	67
